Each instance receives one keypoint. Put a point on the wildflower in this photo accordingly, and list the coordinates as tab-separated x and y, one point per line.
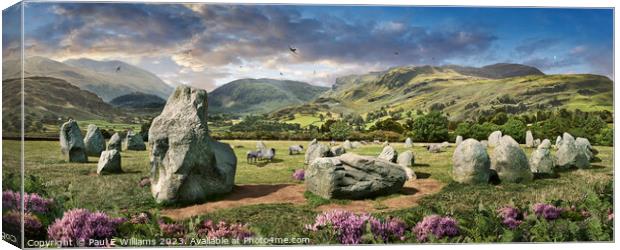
33	202
299	175
173	230
390	228
223	230
32	224
145	181
348	226
81	225
547	211
436	225
510	217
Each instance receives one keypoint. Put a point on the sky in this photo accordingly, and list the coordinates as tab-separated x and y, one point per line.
207	45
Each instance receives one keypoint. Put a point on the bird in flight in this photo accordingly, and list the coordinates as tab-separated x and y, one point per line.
396	53
281	74
118	68
293	50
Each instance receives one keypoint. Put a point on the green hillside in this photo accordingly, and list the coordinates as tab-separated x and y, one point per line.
50	100
257	96
466	92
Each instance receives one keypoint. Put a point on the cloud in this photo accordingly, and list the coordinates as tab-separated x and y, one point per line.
530	46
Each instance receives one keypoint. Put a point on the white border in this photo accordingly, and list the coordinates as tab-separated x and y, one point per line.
481	3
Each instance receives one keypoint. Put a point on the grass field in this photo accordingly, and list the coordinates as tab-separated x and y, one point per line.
77	185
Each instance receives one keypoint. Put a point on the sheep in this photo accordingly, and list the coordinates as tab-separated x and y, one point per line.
295	149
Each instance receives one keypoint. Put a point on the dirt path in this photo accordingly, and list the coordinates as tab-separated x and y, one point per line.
244	195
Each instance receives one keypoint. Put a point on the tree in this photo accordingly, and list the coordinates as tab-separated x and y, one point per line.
432	127
340	130
389	124
321	117
515	128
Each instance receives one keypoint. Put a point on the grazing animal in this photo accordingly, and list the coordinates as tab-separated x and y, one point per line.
295	149
269	155
254	156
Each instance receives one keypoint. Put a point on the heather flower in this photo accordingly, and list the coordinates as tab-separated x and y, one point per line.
299	174
510	217
547	211
223	230
390	228
173	230
145	181
34	203
346	225
80	225
141	218
32	224
436	225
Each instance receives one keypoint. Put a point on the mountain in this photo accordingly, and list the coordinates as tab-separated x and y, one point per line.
107	79
246	96
138	100
47	99
466	92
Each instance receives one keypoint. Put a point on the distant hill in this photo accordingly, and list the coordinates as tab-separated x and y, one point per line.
49	98
466	92
260	95
138	100
107	79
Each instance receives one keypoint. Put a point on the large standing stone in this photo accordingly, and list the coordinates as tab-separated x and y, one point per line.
510	162
351	176
71	142
94	141
347	145
316	150
529	139
187	165
408	143
406	159
109	162
494	138
584	145
541	161
337	150
569	155
470	163
458	141
114	142
388	153
356	144
134	141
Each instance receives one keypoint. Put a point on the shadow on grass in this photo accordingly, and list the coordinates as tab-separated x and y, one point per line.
422	175
408	191
421	165
238	193
264	163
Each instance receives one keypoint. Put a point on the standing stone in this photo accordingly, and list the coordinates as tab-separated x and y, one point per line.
187	165
537	143
569	155
408	143
444	145
109	162
134	141
406	159
529	139
347	145
485	143
386	143
389	154
316	150
541	161
261	147
584	145
459	140
352	176
558	141
115	142
71	142
494	138
314	141
337	150
470	163
356	144
94	141
510	162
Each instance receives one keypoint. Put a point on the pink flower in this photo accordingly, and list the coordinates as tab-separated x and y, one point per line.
390	228
348	226
436	225
547	211
81	225
510	217
34	203
299	174
173	230
223	230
